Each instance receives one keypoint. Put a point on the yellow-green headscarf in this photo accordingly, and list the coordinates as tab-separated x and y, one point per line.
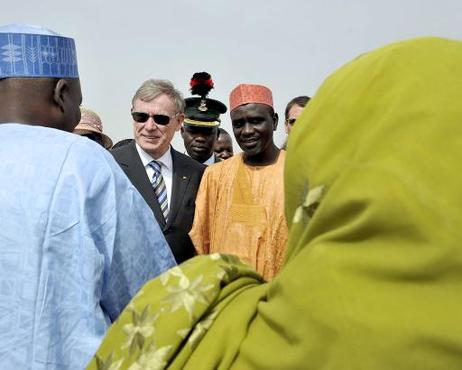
373	275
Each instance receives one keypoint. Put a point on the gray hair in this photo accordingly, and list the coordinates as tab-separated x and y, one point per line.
151	89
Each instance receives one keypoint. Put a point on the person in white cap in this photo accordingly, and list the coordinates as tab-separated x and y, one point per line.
77	241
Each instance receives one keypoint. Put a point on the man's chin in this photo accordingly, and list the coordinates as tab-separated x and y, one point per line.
199	158
149	141
149	147
251	152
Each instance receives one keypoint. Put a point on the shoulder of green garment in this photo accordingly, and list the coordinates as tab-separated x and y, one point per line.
305	211
183	291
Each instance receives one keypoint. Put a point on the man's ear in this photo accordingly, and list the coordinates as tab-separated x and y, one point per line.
59	93
275	121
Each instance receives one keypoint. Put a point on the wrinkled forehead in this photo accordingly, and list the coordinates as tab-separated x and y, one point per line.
295	111
250	110
161	104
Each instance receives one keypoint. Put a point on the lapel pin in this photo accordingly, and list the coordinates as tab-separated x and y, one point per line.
184	177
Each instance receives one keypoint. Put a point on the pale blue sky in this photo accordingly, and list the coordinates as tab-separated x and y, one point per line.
290	46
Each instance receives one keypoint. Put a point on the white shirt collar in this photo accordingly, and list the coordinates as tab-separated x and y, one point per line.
165	160
210	161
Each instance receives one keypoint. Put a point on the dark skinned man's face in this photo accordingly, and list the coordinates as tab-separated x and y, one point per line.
199	141
223	147
253	126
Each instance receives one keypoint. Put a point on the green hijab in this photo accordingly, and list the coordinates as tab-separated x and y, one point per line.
373	274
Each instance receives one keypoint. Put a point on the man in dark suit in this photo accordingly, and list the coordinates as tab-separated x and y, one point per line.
167	179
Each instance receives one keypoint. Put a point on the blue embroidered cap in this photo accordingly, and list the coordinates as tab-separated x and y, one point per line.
33	51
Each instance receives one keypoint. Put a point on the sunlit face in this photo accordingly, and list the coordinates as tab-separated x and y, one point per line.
153	138
253	126
199	141
223	147
294	113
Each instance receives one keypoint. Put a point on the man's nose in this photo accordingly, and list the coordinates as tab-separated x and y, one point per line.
247	129
150	124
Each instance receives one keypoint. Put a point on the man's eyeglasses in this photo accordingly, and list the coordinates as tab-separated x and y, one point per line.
291	121
160	119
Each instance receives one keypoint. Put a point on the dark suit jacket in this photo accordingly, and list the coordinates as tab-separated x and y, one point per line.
187	174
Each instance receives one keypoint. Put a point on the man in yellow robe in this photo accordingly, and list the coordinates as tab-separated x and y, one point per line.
240	203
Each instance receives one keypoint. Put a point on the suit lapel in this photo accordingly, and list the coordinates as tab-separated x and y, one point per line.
180	180
135	170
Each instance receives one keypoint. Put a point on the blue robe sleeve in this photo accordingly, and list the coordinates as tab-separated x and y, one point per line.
119	224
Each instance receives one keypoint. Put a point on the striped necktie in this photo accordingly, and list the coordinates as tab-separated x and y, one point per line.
160	189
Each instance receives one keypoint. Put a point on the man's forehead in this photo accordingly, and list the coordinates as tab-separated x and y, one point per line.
225	140
250	109
222	143
296	108
162	100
